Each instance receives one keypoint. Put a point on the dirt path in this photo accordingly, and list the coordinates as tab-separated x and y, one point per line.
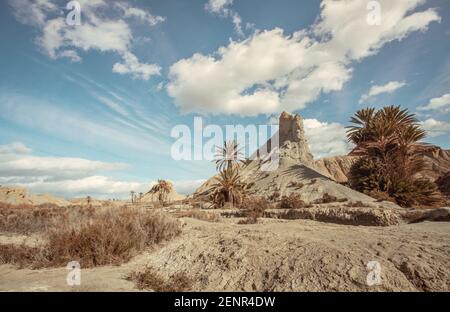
298	255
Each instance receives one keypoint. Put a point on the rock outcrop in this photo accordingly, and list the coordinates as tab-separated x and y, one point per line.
336	168
292	139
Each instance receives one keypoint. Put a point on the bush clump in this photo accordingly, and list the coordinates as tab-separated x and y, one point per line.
293	201
148	279
254	208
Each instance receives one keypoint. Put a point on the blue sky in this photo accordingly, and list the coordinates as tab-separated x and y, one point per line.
89	109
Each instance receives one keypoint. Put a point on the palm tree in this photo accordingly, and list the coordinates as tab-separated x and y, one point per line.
228	187
388	141
228	155
132	196
163	189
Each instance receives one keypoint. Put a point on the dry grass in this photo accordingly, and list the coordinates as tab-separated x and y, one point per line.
34	219
106	237
198	214
148	279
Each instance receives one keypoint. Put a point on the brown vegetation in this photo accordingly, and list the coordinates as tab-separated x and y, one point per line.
105	237
327	198
254	208
387	141
148	279
293	201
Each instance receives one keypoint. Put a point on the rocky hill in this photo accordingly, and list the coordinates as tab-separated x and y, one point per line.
297	171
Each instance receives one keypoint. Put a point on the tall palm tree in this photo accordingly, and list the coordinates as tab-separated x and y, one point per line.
229	155
163	189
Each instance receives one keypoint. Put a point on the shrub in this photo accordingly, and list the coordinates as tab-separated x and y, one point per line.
148	279
254	208
327	198
366	176
20	220
274	196
293	201
443	184
355	204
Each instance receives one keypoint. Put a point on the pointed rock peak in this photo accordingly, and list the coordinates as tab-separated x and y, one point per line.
293	139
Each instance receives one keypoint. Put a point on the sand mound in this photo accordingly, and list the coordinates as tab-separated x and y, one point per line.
307	256
20	196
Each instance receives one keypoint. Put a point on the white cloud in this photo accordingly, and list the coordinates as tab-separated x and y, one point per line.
390	87
71	55
223	9
16	161
326	139
70	177
97	186
96	32
271	72
14	148
144	16
33	13
138	70
65	176
440	104
435	127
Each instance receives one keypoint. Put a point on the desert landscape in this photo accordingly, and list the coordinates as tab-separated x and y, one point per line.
297	228
264	149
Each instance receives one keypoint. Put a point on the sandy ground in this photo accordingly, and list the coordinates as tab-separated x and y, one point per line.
276	255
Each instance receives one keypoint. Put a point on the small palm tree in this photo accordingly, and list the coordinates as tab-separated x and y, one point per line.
229	155
163	189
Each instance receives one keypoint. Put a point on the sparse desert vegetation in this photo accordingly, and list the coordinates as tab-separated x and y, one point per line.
93	238
148	279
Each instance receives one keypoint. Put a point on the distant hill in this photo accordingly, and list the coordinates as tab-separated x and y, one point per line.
20	196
